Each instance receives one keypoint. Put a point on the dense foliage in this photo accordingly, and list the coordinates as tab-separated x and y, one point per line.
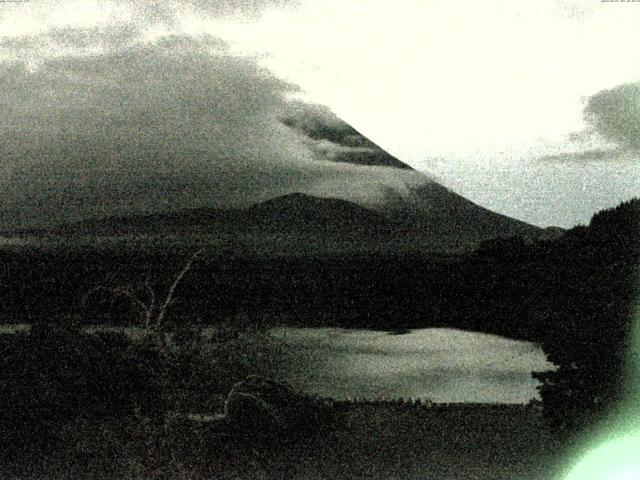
591	336
57	373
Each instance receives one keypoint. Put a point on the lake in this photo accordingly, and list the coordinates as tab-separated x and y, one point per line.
440	364
443	365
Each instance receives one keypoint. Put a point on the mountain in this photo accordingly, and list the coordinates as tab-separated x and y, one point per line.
300	212
426	219
423	212
436	211
295	213
378	204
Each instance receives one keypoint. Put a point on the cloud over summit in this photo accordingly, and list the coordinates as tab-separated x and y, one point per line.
334	140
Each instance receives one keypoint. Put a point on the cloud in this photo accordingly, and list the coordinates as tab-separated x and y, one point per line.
74	37
612	132
34	50
239	7
319	123
152	126
335	140
592	155
615	114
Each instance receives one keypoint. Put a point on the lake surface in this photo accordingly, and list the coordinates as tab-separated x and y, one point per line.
444	365
440	364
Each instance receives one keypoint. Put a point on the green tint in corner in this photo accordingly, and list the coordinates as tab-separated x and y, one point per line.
618	458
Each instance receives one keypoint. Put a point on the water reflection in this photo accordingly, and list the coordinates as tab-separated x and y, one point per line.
444	365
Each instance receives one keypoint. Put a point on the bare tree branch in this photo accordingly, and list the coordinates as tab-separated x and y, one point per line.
153	314
174	285
152	301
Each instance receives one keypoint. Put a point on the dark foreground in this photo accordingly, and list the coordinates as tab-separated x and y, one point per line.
75	404
355	441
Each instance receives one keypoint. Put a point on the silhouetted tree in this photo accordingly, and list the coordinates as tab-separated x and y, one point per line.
589	335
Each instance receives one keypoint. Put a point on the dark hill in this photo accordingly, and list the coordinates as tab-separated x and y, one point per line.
301	212
429	218
292	213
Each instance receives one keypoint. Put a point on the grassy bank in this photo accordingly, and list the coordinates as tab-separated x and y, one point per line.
357	441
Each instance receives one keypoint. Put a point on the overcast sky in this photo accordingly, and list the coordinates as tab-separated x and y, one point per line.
529	108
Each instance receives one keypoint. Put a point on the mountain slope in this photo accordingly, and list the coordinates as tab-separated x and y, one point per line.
295	213
301	212
434	209
420	208
428	219
378	204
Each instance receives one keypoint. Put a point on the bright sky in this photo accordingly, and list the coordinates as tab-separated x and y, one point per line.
474	93
488	96
453	79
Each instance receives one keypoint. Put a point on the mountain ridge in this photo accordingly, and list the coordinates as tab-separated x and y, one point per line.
311	221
